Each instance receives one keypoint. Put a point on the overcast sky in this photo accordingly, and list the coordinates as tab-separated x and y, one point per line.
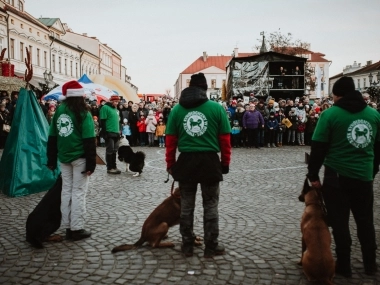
158	39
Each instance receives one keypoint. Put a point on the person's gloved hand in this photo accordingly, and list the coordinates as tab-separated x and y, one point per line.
225	169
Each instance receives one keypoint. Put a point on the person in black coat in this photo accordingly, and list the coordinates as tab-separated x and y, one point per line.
132	120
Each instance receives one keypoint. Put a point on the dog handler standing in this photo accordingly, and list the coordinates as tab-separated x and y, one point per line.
110	131
347	142
72	140
200	128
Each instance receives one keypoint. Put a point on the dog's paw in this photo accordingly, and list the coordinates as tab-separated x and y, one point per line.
136	174
198	241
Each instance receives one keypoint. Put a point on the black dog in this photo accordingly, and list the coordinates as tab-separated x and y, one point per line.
135	160
46	217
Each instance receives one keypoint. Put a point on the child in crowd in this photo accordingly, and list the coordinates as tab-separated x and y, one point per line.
126	131
301	130
272	126
97	129
50	113
310	127
151	124
142	129
281	127
160	132
292	130
235	132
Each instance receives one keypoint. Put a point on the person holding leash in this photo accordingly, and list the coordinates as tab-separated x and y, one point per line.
200	128
346	141
72	141
110	131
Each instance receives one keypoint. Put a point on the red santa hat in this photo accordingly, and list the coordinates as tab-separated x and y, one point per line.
72	89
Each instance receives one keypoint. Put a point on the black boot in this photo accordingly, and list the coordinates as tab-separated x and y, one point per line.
213	250
69	234
369	260
343	265
80	234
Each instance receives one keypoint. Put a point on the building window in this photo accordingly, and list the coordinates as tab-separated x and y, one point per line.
76	70
53	62
20	6
38	57
65	66
31	54
187	82
358	83
364	82
71	68
30	30
45	59
1	43
12	22
59	64
21	51
12	48
38	33
22	26
213	83
13	2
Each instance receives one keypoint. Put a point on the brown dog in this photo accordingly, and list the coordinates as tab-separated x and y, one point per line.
156	226
317	260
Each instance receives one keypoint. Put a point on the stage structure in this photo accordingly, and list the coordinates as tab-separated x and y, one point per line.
268	74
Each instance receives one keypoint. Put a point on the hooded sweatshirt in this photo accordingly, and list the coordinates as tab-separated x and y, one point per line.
345	138
200	128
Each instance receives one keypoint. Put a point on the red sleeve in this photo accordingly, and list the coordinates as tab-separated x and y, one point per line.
225	149
171	143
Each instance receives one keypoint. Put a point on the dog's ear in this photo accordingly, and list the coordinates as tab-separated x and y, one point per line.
301	197
305	189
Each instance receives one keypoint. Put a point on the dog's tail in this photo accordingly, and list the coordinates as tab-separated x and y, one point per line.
124	247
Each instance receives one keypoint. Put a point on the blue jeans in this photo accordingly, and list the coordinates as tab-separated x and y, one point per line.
210	197
161	140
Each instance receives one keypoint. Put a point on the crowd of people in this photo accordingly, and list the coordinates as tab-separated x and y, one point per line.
258	123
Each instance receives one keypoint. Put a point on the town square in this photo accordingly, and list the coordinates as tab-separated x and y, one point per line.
202	142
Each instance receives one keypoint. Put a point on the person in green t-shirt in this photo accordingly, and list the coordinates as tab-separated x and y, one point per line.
110	131
72	141
346	141
200	128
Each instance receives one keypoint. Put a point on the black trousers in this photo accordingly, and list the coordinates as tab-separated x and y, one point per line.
342	195
253	137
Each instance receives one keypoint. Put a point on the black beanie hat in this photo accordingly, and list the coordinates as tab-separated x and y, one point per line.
199	80
343	86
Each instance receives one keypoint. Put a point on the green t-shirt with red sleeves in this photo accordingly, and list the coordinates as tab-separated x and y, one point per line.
198	128
69	134
351	138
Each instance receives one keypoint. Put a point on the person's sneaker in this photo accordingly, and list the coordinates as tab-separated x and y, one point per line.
187	250
69	234
80	234
114	171
218	250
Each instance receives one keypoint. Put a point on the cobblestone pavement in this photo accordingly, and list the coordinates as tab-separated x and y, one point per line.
259	226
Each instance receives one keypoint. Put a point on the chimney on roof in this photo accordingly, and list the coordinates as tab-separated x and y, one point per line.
236	52
355	64
205	56
85	34
369	62
359	64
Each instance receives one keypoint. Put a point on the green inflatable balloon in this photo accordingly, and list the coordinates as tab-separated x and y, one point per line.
23	168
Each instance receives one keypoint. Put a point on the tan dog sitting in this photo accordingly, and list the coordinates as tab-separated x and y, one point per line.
317	260
156	226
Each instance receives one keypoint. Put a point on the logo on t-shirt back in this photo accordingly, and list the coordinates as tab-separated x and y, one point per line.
195	124
65	125
359	133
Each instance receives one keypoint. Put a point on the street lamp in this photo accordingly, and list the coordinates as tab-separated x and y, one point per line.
374	82
48	77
